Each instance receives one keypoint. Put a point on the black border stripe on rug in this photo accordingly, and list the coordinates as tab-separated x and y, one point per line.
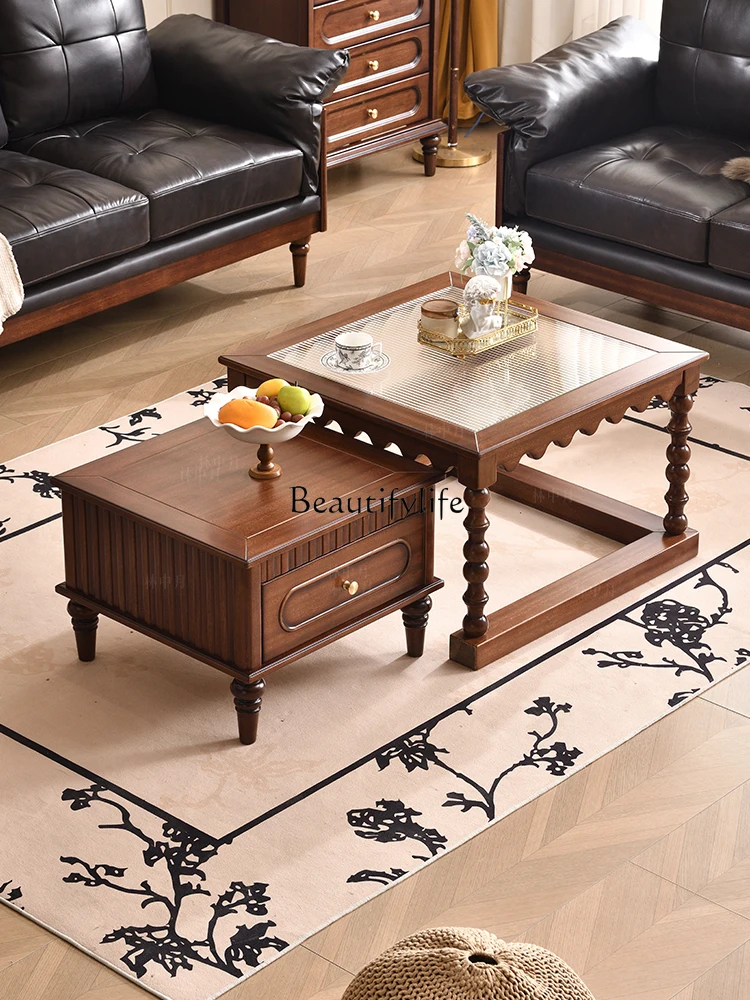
98	780
29	527
692	440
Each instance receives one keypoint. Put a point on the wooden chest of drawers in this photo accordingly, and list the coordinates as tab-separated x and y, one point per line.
175	540
389	95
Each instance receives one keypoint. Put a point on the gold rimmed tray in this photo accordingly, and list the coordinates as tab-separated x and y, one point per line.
519	320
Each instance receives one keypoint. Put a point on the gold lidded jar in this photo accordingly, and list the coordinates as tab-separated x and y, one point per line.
440	316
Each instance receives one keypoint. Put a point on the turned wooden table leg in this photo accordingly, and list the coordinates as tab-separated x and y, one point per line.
678	469
300	250
476	570
247	702
415	622
429	150
85	622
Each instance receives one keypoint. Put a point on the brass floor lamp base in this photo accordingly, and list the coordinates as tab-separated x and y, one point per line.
452	156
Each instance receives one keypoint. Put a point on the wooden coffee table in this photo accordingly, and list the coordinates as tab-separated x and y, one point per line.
480	416
174	539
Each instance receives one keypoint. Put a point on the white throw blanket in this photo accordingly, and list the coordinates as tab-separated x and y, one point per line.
11	286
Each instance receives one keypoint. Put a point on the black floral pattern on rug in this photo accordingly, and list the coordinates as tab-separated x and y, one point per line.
41	486
41	480
380	877
390	821
135	429
679	627
203	395
184	854
150	413
11	892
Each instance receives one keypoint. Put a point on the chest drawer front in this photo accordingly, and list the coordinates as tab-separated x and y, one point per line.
386	60
364	115
307	602
348	22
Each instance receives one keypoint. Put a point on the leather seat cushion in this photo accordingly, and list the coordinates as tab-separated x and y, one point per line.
729	242
58	219
192	171
657	189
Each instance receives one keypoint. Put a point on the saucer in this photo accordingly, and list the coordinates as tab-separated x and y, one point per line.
379	362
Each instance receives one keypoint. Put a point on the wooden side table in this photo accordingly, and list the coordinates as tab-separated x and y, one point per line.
174	539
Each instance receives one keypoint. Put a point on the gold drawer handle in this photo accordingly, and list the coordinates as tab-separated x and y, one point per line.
351	587
374	15
372	113
374	65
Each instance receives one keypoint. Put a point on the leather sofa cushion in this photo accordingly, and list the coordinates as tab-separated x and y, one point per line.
657	189
703	76
58	220
729	241
192	172
68	60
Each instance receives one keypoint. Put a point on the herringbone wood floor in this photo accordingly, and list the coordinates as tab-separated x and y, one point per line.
636	869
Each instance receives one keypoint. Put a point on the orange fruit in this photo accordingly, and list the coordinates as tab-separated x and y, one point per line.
270	387
247	413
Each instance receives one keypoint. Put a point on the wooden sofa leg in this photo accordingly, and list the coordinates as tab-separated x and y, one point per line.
299	262
521	281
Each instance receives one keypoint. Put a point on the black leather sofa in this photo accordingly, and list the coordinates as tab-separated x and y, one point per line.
613	155
132	160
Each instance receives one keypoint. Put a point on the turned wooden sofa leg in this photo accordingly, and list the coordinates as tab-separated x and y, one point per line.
300	251
521	281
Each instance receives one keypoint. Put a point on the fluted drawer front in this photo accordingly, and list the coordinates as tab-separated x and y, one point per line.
357	118
385	61
306	603
348	22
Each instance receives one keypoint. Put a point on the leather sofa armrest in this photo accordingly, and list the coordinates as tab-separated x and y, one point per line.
223	74
587	91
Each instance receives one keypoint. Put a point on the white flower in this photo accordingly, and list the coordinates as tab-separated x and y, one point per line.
463	253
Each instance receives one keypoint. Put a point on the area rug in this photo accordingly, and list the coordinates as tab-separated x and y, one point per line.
136	826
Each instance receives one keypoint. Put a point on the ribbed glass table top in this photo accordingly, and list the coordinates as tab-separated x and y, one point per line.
479	391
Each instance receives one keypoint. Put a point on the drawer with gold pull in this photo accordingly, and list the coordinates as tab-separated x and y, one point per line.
307	602
349	22
356	118
385	61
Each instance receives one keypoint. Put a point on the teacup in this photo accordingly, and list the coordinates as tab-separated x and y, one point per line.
355	351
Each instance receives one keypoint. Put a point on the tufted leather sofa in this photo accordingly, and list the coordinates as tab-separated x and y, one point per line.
613	155
131	160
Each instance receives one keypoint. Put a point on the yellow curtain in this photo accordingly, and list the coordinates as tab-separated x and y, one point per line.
479	48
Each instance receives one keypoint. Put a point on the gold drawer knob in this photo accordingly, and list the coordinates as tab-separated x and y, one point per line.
374	15
372	113
351	587
374	65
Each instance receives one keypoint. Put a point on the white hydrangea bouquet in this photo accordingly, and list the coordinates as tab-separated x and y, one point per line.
493	250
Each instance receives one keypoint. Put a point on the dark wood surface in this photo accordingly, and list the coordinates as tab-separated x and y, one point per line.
574	595
389	96
486	460
380	110
193	483
175	540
